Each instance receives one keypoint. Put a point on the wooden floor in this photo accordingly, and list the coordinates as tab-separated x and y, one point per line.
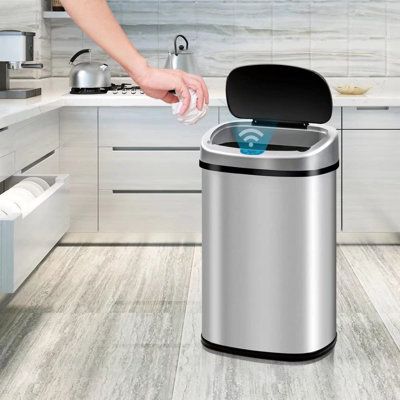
124	323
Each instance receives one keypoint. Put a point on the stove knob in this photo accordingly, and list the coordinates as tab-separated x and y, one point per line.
115	91
133	91
141	91
123	91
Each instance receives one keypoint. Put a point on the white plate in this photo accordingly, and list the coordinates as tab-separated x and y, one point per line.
8	207
23	198
31	186
39	181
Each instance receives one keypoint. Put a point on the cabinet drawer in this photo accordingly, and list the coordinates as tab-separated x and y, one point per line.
149	212
157	170
371	181
49	164
7	166
6	141
371	118
25	239
150	127
35	138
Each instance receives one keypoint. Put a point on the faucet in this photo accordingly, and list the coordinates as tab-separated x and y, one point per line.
16	50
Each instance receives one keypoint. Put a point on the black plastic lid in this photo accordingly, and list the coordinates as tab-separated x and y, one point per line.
278	94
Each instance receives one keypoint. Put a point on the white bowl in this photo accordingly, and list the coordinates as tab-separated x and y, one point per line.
31	186
23	198
8	207
41	182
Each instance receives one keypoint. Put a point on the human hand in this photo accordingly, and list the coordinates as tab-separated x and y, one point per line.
159	83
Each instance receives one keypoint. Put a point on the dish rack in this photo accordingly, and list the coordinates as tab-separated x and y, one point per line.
26	238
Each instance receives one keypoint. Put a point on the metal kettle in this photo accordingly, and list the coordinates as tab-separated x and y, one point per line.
88	74
181	58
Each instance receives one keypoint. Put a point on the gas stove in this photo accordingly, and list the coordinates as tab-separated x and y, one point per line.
121	88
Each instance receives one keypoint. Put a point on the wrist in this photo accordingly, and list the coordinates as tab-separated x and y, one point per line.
139	69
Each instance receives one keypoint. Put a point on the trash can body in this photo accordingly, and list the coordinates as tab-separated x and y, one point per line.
269	242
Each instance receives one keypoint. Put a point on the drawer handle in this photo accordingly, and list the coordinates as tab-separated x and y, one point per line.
31	165
155	191
156	148
373	108
3	129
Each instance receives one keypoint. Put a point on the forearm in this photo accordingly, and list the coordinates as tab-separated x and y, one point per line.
95	18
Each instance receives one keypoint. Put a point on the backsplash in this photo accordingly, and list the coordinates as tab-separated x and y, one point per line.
334	37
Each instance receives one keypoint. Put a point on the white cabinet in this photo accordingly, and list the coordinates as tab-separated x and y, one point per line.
35	137
48	164
150	127
149	213
7	166
149	169
371	181
371	118
6	141
26	238
79	159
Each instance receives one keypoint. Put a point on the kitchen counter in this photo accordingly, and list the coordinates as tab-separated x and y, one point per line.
385	92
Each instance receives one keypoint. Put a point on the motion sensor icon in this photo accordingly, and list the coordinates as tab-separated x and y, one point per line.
251	136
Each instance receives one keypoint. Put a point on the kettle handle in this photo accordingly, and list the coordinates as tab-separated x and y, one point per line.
176	44
76	55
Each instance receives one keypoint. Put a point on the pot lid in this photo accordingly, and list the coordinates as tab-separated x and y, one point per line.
280	95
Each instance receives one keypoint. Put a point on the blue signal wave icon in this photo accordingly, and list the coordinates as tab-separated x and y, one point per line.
251	136
253	141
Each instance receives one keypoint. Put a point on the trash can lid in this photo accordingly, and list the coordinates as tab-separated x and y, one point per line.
281	136
280	95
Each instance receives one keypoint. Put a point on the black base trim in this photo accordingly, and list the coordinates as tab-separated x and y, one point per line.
267	172
267	355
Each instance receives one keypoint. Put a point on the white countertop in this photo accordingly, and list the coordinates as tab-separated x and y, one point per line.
383	92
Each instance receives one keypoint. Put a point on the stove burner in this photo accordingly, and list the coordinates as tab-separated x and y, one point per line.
122	87
88	90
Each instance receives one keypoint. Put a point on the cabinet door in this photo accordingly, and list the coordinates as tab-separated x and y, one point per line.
49	164
79	159
153	127
149	170
371	181
149	212
371	118
35	138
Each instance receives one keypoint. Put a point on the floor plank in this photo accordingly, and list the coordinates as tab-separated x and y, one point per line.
364	364
378	270
96	323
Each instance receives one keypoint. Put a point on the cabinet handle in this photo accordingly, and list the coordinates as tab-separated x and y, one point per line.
3	129
373	108
156	148
155	191
31	165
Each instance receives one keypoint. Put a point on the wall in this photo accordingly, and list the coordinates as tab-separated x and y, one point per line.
26	15
335	37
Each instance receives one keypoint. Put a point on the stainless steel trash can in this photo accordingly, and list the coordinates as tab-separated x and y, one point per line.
269	217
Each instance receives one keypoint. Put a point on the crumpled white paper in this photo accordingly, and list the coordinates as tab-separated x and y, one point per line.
192	115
